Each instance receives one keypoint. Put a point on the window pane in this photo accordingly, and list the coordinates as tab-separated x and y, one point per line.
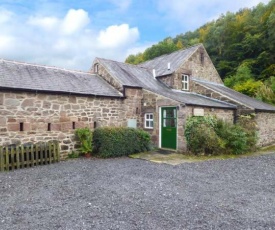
148	122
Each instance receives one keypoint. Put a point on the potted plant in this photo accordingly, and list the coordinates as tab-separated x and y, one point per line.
85	137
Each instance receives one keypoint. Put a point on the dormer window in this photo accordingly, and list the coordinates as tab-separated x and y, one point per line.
185	82
96	66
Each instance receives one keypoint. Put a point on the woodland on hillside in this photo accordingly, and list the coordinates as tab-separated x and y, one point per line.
241	46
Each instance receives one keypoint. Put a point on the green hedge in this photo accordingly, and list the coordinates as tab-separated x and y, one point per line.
120	141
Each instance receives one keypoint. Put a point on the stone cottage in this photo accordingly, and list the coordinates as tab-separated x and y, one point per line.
39	103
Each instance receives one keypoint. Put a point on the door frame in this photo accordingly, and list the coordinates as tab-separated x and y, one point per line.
160	124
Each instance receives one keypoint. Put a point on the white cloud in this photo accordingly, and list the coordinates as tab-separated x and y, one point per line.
68	42
6	42
5	15
74	21
118	35
47	23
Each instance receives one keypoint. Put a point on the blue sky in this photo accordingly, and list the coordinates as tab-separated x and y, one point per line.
71	33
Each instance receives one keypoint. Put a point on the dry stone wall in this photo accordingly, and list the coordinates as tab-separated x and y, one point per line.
266	128
44	117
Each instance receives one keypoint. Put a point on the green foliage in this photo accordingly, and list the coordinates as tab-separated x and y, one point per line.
201	136
233	136
85	137
73	155
249	87
241	46
120	141
207	135
266	94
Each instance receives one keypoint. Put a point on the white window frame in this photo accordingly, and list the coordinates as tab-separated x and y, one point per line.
185	82
149	117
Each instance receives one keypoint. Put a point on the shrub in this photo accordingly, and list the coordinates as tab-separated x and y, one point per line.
234	137
120	141
207	135
73	155
201	136
84	136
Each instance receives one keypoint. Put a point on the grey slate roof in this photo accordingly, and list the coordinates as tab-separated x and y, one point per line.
175	59
16	75
136	76
236	96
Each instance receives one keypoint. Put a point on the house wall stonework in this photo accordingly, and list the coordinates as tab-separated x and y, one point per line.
167	80
151	103
194	66
266	128
102	72
36	111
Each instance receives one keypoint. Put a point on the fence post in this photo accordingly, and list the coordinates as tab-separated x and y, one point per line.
32	156
7	159
1	159
17	157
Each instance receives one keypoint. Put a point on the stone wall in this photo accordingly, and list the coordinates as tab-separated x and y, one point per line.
167	80
63	113
266	128
194	66
151	103
103	72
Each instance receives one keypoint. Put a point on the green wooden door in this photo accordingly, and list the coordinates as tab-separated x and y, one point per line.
169	127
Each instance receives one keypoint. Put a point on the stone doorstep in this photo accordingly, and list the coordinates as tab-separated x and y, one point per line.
171	158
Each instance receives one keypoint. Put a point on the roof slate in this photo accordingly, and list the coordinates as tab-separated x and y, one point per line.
16	75
236	96
160	64
136	76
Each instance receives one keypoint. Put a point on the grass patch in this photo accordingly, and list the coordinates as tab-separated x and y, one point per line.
270	148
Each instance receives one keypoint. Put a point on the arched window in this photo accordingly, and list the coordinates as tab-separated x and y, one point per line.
96	66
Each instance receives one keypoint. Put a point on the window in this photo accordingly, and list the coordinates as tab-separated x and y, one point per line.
149	121
96	68
185	82
202	58
49	126
73	125
21	126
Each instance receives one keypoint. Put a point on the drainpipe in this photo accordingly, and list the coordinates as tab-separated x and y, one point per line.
235	116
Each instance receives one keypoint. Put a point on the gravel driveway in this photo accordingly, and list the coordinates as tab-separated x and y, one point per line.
130	194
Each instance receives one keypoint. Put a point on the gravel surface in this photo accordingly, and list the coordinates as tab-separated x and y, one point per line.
130	194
